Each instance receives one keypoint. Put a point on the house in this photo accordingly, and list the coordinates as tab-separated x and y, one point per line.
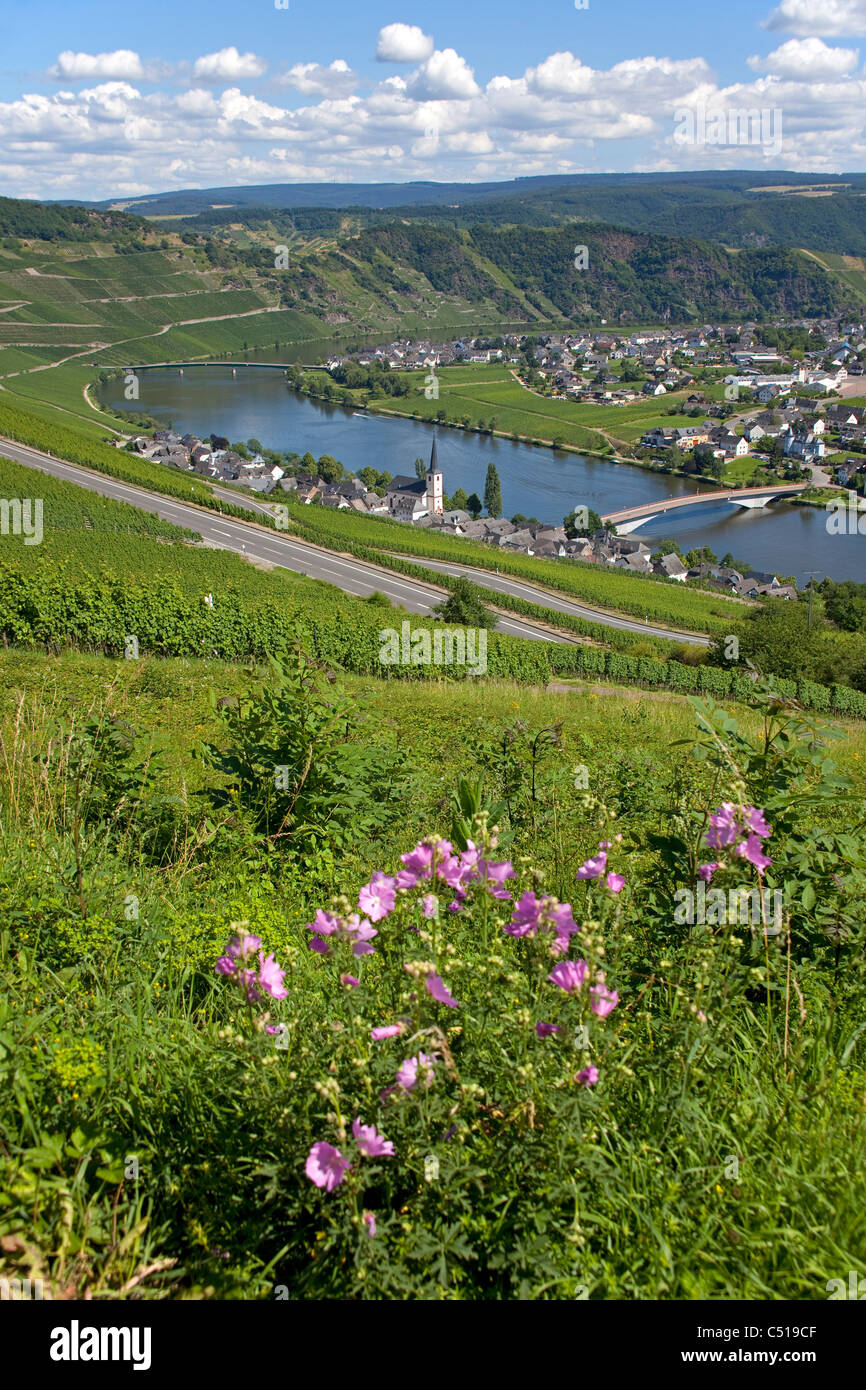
653	388
672	566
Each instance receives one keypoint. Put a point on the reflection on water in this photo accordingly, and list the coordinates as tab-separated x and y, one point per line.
256	403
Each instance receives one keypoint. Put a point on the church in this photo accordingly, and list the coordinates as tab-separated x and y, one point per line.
411	498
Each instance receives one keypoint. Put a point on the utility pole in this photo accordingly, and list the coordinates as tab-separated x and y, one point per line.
811	574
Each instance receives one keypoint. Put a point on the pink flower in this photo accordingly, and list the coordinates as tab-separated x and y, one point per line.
419	861
326	1166
544	1030
225	966
532	915
706	871
594	868
389	1030
350	981
604	1001
752	849
495	876
376	898
370	1222
438	990
416	1069
243	946
429	904
568	975
754	820
370	1142
271	977
724	829
587	1077
615	882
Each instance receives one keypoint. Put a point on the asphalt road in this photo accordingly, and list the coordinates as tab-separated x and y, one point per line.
351	575
226	533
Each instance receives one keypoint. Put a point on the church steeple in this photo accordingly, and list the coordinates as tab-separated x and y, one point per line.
434	482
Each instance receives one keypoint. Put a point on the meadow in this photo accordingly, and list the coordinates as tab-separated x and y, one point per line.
505	1099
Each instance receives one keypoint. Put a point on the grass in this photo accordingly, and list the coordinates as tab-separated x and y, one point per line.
719	1156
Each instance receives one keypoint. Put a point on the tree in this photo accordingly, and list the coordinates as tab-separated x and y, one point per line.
474	505
330	469
254	446
420	469
459	501
465	605
308	464
583	521
777	640
492	492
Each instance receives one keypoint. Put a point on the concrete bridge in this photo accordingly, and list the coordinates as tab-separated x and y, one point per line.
631	517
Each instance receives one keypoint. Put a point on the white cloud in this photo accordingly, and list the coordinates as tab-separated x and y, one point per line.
403	43
122	63
807	60
200	127
228	66
832	18
444	75
314	79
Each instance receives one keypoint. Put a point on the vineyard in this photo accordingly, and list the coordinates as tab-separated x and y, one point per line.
662	600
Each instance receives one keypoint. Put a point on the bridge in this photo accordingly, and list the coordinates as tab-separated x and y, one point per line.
631	517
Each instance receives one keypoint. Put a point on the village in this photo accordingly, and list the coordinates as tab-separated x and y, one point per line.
789	419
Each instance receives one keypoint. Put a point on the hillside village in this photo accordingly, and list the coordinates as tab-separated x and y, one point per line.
783	417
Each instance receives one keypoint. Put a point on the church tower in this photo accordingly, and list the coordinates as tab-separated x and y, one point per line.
434	482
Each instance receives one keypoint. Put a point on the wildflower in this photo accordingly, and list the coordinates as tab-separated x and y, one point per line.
701	1016
593	868
350	981
532	915
752	849
724	827
494	875
359	933
376	899
326	1166
587	1077
604	1000
706	871
744	829
243	946
544	1030
615	882
438	990
271	976
568	975
370	1142
370	1222
225	966
419	862
389	1030
416	1069
430	905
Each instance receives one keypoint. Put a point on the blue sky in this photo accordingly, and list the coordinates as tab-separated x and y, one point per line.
100	99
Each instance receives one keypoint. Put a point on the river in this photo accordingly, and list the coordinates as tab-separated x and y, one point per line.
256	403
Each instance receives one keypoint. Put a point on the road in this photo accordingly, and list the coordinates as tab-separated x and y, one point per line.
353	576
246	539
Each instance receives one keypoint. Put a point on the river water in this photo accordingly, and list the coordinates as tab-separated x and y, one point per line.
256	403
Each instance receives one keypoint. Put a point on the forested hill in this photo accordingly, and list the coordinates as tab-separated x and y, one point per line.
397	273
630	277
